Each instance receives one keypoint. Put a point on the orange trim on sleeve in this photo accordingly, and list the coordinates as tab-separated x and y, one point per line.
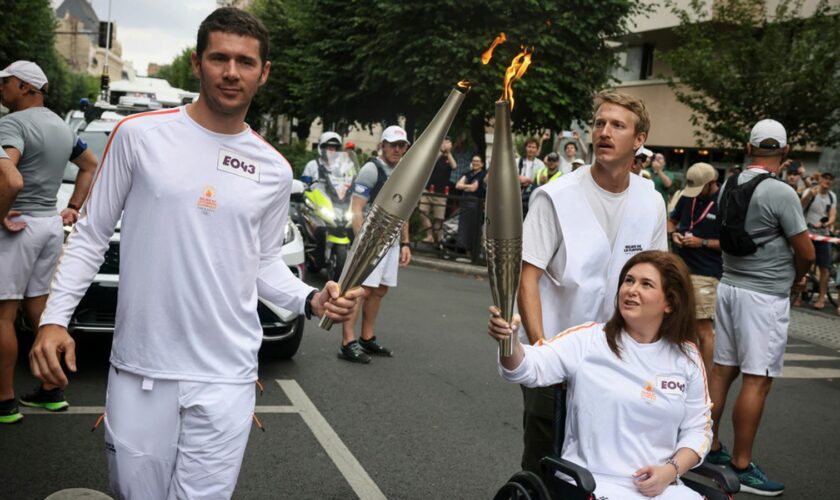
111	138
272	147
574	329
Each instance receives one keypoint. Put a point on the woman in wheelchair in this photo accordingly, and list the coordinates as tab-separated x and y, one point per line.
639	413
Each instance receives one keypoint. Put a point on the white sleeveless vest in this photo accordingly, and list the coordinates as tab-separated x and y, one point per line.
587	289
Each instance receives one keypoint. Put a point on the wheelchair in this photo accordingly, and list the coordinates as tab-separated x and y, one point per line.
712	481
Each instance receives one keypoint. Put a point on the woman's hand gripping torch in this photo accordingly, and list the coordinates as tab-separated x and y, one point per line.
397	198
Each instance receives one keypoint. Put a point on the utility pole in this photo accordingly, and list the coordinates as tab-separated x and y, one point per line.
105	79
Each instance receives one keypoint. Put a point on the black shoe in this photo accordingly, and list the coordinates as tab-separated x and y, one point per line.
52	400
372	347
9	412
353	352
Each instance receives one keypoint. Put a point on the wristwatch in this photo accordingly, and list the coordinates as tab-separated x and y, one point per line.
705	243
307	306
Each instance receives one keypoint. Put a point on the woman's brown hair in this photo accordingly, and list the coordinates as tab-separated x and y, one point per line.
678	326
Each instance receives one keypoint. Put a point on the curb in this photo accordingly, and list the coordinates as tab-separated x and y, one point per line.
449	266
805	325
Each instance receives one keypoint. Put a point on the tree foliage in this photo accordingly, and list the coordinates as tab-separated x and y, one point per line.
27	31
179	72
372	61
742	63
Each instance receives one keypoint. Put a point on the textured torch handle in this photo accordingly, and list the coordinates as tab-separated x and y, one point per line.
504	265
378	233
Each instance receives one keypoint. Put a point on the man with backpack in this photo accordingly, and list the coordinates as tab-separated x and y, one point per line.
371	178
820	207
766	251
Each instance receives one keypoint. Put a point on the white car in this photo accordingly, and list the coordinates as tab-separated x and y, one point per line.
282	329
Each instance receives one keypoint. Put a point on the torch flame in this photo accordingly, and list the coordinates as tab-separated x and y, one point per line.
465	84
488	54
514	72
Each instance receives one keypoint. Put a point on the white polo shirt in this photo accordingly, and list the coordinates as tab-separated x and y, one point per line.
203	218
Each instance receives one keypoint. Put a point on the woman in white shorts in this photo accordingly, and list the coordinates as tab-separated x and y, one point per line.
639	414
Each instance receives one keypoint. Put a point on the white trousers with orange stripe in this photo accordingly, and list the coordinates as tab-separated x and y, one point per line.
169	439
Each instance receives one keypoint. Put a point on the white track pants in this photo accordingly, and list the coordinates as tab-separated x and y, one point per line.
168	439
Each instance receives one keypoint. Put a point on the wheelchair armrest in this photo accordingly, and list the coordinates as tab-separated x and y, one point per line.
582	477
724	476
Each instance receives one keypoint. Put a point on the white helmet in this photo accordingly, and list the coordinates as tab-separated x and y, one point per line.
329	138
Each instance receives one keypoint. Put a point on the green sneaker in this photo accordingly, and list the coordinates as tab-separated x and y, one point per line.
754	480
52	400
9	412
720	456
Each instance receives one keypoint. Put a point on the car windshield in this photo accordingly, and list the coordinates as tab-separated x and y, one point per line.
96	143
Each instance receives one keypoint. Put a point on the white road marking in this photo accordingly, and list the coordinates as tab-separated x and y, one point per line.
805	372
790	356
99	410
341	456
346	463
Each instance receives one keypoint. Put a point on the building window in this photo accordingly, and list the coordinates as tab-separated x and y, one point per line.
634	63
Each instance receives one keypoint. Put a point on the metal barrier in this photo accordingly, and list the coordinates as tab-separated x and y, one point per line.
459	234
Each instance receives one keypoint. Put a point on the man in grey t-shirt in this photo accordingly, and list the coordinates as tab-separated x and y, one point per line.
365	188
38	144
753	306
11	183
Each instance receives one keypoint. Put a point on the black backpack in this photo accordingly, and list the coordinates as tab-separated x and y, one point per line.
381	177
734	202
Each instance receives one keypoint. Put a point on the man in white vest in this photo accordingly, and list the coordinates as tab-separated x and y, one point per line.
579	232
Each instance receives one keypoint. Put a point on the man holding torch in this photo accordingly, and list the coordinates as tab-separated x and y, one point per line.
579	232
203	200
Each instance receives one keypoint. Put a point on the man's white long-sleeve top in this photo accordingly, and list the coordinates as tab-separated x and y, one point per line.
203	218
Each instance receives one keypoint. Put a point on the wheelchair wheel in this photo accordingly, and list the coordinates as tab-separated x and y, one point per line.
523	485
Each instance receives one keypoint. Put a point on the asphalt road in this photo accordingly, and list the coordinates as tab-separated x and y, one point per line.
435	421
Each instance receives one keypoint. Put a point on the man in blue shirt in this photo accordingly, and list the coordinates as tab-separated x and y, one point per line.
695	233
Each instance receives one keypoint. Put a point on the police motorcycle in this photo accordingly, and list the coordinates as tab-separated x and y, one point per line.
324	217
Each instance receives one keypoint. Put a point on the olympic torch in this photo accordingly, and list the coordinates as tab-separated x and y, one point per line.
397	198
503	222
503	212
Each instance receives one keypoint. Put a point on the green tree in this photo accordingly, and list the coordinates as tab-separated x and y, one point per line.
27	31
179	72
743	62
370	62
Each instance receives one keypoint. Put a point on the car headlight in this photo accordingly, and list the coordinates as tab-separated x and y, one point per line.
289	236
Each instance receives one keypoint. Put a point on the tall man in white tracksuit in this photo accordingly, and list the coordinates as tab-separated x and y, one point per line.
579	232
203	201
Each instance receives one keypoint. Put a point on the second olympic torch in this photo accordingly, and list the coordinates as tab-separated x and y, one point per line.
503	222
397	198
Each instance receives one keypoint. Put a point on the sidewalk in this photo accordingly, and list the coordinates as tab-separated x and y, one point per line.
805	324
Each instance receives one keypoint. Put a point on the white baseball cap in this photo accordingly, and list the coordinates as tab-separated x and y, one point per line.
26	71
395	133
643	151
768	129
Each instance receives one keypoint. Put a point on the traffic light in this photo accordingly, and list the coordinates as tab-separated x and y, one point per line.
104	40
